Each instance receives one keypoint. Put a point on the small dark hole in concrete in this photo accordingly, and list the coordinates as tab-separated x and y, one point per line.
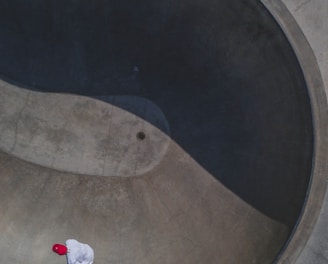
141	135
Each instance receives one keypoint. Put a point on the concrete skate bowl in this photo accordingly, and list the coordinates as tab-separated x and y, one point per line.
158	131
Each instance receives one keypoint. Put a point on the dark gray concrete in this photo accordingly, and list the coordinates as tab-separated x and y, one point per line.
232	185
316	90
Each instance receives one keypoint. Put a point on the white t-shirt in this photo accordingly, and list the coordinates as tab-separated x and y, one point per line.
79	253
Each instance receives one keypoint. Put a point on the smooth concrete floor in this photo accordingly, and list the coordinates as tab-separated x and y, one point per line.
217	189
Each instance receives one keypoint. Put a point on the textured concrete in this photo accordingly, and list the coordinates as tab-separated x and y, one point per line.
176	214
82	135
312	18
316	91
237	124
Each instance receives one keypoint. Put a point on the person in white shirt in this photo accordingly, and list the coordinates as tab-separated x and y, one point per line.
76	252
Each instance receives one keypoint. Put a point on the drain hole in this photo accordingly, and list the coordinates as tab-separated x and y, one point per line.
141	135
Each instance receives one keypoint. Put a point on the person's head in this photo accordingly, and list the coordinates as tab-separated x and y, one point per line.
59	249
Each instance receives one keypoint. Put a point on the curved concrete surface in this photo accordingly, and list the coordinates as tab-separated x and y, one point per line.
318	185
82	135
231	183
312	18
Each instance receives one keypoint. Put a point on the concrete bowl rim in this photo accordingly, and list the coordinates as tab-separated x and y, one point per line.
317	96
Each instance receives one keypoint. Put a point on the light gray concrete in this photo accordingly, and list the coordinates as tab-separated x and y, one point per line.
178	213
311	16
82	135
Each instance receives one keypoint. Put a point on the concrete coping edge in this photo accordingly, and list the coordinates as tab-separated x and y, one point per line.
316	91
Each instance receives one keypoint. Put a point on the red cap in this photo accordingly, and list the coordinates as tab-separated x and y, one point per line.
59	249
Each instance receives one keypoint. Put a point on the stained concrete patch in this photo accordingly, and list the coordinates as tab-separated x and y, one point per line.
80	134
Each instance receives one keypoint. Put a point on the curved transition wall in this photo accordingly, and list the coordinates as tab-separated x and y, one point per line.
226	137
80	134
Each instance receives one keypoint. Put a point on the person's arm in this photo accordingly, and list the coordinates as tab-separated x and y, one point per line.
71	258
